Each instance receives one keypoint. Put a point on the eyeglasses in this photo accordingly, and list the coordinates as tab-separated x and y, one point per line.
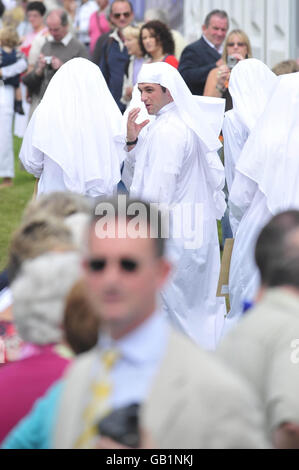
118	15
126	264
239	44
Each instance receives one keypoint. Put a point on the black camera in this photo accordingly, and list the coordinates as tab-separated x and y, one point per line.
122	425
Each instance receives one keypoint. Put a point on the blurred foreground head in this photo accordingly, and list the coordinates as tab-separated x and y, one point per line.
39	294
124	265
80	323
277	251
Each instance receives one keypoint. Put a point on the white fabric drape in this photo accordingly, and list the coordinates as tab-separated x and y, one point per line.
174	164
265	184
251	84
77	126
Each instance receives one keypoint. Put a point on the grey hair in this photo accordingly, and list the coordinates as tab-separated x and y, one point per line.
62	15
39	294
58	204
78	225
220	13
155	14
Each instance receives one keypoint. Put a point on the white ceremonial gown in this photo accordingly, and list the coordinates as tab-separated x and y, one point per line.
251	84
171	166
74	140
266	183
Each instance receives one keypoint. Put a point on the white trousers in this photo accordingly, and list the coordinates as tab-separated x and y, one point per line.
6	139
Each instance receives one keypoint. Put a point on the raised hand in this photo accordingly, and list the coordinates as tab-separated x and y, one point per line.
134	129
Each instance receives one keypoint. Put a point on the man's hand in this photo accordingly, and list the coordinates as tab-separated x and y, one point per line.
56	63
41	64
219	63
134	129
107	443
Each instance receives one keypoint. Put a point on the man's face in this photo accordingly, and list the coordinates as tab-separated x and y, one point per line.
121	14
57	31
123	277
216	31
153	97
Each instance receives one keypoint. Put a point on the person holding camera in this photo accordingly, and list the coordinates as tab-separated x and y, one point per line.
237	47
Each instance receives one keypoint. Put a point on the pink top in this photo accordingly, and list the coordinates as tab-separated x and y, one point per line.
25	380
98	25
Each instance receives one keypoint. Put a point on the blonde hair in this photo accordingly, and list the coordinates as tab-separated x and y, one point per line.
244	38
132	31
287	66
9	37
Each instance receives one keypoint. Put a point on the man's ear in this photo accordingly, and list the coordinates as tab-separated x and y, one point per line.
165	269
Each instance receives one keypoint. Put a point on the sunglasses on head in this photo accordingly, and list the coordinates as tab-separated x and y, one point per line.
239	44
118	15
126	264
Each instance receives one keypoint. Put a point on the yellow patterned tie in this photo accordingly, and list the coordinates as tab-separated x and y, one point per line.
98	404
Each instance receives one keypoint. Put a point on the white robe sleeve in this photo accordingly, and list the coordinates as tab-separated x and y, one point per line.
241	196
15	69
128	169
31	157
234	140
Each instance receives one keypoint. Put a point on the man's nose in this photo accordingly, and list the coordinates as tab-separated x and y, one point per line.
112	273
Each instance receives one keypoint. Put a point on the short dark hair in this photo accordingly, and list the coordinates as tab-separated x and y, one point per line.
221	13
64	18
120	1
36	6
276	251
163	35
154	218
80	323
2	8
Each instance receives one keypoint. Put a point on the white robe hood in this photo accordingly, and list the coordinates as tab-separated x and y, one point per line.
78	126
270	156
250	85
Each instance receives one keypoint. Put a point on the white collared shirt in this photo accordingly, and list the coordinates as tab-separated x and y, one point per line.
115	36
141	353
65	41
220	49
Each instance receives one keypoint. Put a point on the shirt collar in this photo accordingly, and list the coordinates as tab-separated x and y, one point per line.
144	344
65	41
115	36
220	49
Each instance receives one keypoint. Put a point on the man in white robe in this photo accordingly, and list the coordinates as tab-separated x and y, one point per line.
71	142
251	84
175	162
266	183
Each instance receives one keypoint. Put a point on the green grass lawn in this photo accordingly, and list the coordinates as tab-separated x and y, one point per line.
12	203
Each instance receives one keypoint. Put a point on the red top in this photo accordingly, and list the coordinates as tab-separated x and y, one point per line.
172	60
24	381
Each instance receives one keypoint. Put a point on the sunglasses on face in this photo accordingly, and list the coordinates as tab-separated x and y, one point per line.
118	15
126	264
239	44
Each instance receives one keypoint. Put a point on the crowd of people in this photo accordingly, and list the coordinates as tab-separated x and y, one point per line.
115	330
